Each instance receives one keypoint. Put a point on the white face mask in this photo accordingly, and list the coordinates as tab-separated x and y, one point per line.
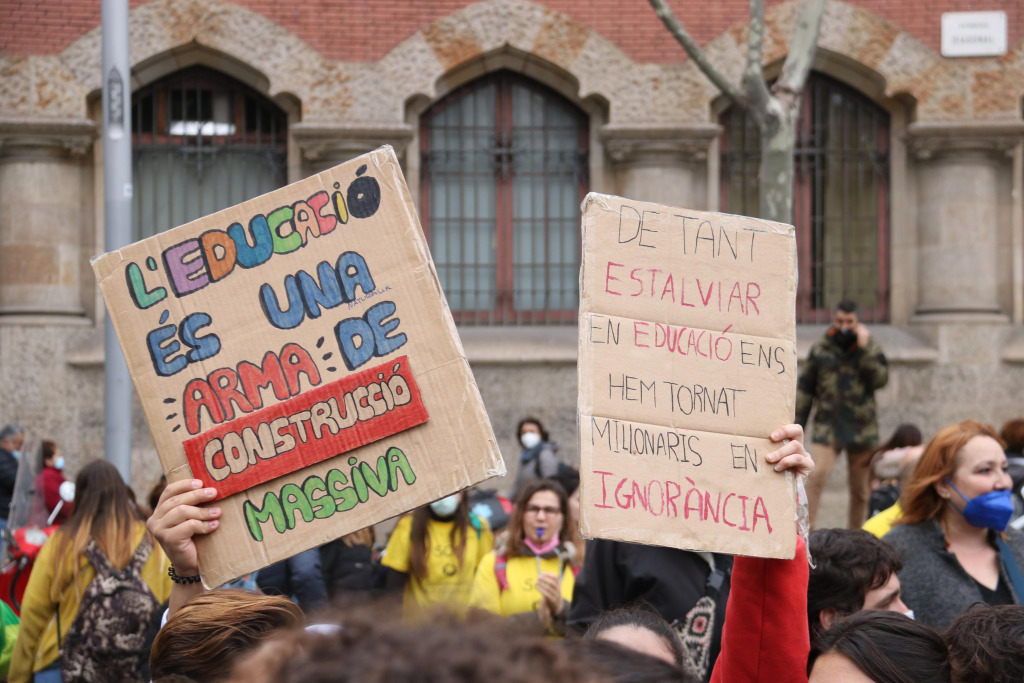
529	439
446	507
909	613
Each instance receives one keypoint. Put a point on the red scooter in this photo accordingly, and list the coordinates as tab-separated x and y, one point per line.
23	546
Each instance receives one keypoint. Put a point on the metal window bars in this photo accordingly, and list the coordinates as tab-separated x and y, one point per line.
505	166
841	196
202	142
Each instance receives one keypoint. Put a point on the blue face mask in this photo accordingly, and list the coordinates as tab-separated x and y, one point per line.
58	464
992	510
15	454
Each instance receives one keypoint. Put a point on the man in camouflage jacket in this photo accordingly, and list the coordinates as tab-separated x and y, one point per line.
842	373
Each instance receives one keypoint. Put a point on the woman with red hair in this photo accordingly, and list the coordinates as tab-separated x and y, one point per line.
957	549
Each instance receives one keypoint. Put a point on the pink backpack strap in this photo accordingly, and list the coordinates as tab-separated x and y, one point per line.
500	564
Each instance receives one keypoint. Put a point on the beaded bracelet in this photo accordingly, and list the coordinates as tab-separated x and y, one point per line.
182	579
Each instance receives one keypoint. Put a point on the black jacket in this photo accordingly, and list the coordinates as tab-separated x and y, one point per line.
677	583
8	475
349	568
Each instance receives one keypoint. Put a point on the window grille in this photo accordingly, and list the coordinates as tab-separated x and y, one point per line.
840	196
201	142
504	172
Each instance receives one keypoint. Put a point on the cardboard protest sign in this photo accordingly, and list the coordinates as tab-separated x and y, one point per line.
296	353
687	363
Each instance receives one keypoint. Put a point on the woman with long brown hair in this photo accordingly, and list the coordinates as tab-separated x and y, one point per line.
957	548
433	554
104	527
530	573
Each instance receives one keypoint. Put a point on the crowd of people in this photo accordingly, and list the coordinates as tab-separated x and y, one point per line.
931	589
647	613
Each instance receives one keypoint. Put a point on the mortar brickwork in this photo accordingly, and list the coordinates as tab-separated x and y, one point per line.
366	30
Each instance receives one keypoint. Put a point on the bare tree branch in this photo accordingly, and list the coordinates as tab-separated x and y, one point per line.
776	109
668	18
801	48
753	74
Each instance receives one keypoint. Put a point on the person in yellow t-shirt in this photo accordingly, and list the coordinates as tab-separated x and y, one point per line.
532	573
433	554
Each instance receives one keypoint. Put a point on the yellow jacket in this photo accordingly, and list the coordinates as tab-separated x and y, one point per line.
36	647
522	594
882	523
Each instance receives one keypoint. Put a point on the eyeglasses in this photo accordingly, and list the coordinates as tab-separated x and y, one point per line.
537	509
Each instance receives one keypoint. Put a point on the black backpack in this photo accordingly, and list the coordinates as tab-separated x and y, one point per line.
110	639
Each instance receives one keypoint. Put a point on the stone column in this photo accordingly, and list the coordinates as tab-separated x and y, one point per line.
42	216
958	216
667	165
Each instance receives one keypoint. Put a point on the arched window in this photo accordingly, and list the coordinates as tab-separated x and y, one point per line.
201	142
841	196
504	171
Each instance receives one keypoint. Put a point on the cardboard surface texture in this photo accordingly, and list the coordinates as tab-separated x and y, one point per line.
296	352
687	363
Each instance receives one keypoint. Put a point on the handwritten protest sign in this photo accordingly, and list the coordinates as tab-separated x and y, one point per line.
296	353
687	363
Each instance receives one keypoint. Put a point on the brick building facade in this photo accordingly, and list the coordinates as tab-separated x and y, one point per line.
935	155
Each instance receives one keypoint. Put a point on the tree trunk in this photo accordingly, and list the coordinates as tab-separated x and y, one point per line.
778	140
775	111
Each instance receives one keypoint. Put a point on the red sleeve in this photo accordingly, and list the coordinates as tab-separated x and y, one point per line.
765	636
52	479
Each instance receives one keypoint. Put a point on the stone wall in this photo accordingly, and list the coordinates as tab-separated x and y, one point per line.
956	223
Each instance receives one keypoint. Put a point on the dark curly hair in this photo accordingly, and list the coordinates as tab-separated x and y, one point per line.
848	564
986	644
